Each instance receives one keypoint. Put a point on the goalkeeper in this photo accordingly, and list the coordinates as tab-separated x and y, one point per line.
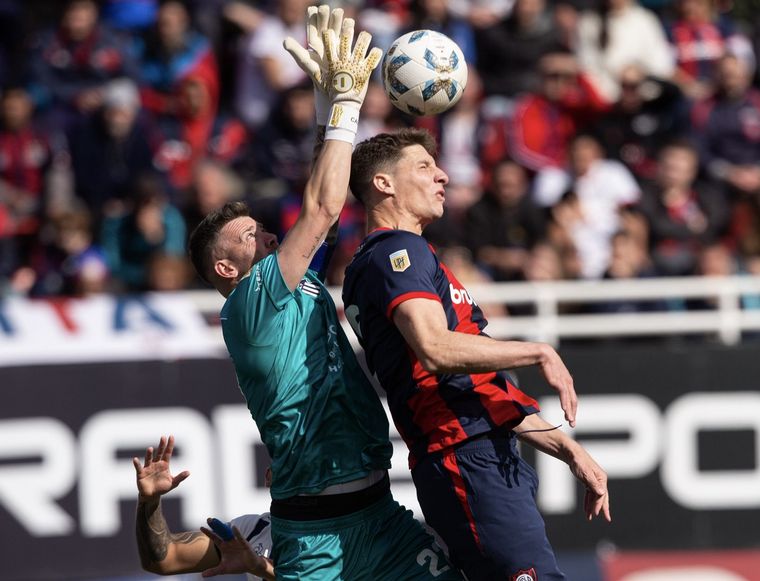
332	513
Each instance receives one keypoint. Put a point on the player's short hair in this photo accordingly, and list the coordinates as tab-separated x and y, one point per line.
380	153
203	239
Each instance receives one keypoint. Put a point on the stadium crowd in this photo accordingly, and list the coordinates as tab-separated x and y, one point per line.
596	138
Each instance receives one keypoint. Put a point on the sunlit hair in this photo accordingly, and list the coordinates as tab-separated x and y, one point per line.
204	237
381	153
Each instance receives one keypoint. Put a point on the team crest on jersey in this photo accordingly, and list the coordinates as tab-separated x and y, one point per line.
400	260
525	575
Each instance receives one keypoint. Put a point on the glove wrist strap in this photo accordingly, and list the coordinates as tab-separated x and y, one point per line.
343	122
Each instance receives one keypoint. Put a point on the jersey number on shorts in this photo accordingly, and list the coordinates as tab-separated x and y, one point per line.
426	555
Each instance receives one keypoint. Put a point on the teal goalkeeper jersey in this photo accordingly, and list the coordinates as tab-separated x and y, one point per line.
319	417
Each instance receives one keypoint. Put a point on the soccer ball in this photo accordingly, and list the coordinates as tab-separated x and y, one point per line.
424	72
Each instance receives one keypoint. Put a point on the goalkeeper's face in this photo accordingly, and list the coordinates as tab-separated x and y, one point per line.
243	242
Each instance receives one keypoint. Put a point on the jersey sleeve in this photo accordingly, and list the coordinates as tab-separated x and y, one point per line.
405	268
273	283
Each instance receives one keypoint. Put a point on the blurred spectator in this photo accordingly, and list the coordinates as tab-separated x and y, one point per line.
265	68
214	184
699	38
727	127
619	34
505	223
435	15
509	51
648	113
110	149
602	187
481	13
544	122
71	66
195	132
168	272
131	240
25	158
283	146
67	262
683	214
548	262
629	260
172	54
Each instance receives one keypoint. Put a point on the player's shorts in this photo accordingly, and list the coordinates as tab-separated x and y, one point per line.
480	498
380	542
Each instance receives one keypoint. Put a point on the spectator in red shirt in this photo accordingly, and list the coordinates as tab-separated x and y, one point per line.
545	122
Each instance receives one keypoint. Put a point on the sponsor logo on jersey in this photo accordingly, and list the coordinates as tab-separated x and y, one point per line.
400	260
459	296
525	575
309	288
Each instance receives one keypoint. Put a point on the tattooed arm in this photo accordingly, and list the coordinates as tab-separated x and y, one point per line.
167	553
162	551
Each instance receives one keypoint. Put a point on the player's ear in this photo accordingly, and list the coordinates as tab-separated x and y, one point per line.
225	269
383	183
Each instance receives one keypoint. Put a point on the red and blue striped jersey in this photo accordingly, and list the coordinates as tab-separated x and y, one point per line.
431	411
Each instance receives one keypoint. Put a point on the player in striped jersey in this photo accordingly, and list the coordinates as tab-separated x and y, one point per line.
451	400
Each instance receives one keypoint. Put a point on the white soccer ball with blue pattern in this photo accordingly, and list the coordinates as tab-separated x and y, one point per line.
424	73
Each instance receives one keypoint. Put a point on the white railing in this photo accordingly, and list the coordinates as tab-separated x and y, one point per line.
727	320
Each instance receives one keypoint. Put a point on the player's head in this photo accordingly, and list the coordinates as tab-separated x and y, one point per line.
226	244
395	174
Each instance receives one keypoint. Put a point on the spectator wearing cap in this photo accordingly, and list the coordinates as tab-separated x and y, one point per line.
110	148
71	65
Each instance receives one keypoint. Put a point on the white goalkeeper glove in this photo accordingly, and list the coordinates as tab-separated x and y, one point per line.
340	75
312	59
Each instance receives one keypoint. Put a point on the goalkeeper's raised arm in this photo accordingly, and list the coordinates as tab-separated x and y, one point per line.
340	76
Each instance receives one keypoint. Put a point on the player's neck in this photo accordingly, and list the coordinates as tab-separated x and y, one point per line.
378	220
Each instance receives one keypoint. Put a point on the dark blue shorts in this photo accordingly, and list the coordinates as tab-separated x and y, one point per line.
480	498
